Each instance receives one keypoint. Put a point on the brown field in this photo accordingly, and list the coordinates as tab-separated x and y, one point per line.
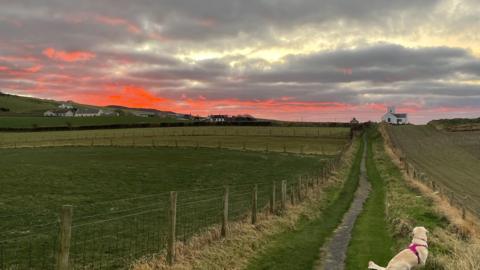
451	159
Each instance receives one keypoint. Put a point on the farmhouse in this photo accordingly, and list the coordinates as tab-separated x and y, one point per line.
88	112
218	118
60	112
392	117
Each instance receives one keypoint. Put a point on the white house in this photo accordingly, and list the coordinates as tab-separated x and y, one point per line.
66	106
88	112
395	118
218	118
60	112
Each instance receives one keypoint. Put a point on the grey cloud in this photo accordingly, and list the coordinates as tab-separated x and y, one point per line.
380	64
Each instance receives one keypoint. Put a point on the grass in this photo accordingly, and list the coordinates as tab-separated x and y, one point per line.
299	248
22	122
371	238
442	159
120	194
309	140
407	208
25	105
51	177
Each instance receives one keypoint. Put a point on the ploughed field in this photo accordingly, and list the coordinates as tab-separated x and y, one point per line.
450	158
118	182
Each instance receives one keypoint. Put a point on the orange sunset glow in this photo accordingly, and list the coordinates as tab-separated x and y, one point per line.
308	60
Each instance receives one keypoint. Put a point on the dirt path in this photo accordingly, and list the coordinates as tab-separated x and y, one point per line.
335	250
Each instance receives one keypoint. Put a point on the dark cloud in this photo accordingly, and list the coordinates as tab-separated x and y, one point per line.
378	64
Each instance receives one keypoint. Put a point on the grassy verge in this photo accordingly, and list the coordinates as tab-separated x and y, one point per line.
371	239
299	248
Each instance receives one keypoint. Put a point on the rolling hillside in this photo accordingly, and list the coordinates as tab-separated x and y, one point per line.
14	105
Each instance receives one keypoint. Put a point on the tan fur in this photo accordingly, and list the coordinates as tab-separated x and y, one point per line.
406	259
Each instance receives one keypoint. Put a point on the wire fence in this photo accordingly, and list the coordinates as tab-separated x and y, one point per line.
266	139
113	234
454	198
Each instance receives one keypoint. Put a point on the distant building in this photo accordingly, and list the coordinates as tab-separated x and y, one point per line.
145	113
218	118
87	112
354	121
66	106
60	112
392	117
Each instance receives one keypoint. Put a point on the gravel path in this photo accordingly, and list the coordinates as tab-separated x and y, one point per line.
335	250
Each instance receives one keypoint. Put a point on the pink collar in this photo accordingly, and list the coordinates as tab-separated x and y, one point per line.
413	248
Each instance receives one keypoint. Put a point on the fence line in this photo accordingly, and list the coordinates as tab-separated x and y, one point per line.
418	175
292	147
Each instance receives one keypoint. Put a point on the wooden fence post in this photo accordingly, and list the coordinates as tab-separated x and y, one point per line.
284	195
272	199
65	236
292	194
464	213
254	204
225	212
172	220
324	175
299	189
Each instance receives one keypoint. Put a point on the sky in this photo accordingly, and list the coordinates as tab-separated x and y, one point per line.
302	60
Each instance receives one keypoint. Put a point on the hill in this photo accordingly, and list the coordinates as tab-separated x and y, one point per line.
456	124
12	105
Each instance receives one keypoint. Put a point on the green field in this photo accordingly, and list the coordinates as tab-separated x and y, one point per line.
445	158
25	105
120	194
29	122
307	140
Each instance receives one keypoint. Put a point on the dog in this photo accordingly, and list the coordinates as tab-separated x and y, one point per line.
415	255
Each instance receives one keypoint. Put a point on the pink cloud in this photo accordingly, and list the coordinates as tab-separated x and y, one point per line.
65	56
132	28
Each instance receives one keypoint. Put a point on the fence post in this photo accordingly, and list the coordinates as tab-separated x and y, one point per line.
65	236
299	189
464	213
172	219
225	212
284	148
254	204
292	194
284	195
272	199
324	175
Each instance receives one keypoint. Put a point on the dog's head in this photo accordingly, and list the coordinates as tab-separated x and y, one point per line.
420	232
